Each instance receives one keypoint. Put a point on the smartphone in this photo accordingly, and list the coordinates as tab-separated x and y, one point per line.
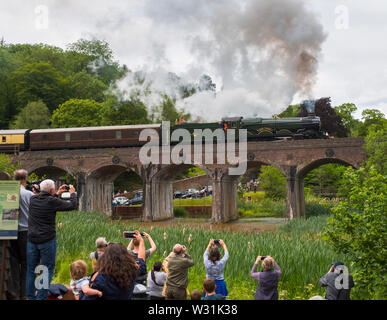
130	234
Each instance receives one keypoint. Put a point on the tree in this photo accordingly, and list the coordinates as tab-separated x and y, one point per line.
103	65
6	164
372	118
359	223
291	111
125	112
86	86
273	182
35	115
206	84
39	81
325	179
376	145
330	121
345	111
78	113
169	111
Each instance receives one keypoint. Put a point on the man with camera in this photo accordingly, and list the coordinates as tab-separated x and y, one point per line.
177	280
18	256
338	282
41	244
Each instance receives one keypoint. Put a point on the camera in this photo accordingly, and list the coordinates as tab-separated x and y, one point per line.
33	186
216	242
263	258
130	234
67	188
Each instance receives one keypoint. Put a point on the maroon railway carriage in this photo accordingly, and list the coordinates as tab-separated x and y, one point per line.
89	137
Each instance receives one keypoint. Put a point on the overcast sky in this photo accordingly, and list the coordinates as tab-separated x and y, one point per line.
193	37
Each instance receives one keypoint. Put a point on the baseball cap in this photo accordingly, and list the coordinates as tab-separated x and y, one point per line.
338	263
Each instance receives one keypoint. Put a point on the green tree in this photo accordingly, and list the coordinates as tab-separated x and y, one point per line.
371	118
39	81
345	111
124	112
291	111
78	113
376	145
169	111
6	164
103	65
325	179
273	182
86	86
35	115
359	223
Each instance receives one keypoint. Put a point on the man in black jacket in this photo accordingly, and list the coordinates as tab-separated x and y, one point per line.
41	245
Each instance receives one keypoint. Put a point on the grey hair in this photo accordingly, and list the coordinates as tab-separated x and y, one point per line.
47	185
100	242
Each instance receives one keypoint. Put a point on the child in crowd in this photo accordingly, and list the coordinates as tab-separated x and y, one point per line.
196	295
80	281
209	287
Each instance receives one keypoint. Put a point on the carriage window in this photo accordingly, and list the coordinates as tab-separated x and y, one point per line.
118	135
3	139
67	136
44	137
90	135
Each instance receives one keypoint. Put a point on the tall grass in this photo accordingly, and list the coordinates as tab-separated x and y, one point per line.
297	247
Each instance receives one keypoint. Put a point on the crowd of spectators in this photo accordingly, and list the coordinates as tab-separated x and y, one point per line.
119	272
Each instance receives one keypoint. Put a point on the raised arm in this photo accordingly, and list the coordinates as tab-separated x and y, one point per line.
152	243
64	205
253	274
226	254
130	245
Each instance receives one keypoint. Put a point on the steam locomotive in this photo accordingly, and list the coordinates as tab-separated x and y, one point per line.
13	141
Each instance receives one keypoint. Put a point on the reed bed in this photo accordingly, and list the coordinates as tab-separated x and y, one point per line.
296	246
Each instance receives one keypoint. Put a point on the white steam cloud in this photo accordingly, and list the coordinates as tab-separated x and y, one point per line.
260	53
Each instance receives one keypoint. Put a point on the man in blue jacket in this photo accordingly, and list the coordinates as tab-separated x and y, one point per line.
41	244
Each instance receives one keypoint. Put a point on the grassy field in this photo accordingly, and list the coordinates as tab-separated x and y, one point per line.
296	246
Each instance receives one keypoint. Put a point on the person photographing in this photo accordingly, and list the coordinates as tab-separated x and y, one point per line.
41	244
267	287
215	265
177	280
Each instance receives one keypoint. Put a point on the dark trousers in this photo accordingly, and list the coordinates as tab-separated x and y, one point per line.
174	293
18	263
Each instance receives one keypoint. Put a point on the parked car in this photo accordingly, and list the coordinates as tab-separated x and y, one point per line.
120	200
177	195
137	199
191	193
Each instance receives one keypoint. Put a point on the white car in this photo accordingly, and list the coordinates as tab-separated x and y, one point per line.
120	200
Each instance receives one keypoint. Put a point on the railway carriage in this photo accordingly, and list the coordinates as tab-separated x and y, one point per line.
88	137
13	141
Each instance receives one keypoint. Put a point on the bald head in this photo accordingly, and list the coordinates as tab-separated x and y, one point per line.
178	249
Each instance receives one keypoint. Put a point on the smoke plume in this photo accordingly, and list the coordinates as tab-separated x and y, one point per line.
260	53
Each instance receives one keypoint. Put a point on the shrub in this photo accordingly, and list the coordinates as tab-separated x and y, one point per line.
273	182
180	212
314	208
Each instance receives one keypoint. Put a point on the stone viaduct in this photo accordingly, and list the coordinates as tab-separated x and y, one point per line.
96	169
